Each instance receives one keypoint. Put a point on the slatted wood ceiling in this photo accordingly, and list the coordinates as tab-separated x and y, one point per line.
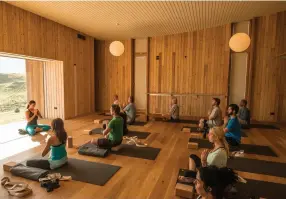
24	33
268	85
112	74
189	63
147	18
35	83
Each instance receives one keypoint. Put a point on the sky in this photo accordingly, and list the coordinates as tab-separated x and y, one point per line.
12	65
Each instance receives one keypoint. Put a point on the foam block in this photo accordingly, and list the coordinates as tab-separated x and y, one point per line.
117	148
193	145
188	130
197	135
185	191
7	166
98	121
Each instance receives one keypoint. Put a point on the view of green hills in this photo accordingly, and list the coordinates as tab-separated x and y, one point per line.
13	92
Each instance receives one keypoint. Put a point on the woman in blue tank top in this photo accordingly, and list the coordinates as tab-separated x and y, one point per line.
57	145
32	114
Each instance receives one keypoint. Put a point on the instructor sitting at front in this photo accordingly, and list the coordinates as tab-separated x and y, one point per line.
114	132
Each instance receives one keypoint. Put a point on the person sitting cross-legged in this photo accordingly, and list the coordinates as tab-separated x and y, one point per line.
113	134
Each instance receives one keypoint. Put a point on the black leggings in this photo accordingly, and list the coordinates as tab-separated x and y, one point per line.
40	163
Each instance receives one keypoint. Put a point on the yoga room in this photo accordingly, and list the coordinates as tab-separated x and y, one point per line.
143	99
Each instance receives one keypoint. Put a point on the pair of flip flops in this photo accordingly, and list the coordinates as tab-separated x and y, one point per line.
55	176
17	189
134	141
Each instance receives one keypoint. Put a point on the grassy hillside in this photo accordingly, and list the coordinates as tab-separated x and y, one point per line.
13	92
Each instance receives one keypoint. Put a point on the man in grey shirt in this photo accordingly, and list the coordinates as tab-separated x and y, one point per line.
214	115
130	110
243	113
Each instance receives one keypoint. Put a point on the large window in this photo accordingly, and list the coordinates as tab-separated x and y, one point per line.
13	91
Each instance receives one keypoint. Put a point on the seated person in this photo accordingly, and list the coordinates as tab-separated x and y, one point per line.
243	114
174	110
116	100
57	145
214	116
216	156
130	110
232	129
32	116
113	134
212	182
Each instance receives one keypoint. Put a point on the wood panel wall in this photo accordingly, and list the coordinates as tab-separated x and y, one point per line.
268	84
25	33
112	74
194	63
35	83
54	94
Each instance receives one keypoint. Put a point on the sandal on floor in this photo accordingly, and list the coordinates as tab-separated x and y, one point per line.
17	189
53	176
134	141
22	132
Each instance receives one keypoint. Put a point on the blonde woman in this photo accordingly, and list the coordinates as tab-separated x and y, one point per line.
214	157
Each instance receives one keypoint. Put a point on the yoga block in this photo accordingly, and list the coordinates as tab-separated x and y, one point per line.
186	130
185	191
117	148
193	145
98	121
197	135
7	166
70	142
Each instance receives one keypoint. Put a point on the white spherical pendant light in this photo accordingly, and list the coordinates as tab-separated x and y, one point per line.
239	42
116	48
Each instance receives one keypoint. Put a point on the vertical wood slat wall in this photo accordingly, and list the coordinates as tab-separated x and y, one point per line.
268	85
54	94
35	83
25	33
194	62
112	74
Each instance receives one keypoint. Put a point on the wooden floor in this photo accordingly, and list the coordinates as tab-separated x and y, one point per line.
139	178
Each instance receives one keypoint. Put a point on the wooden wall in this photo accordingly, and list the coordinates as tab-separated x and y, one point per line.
195	64
268	84
24	33
112	74
35	83
54	94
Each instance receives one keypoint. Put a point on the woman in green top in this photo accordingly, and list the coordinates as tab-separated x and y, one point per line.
113	134
57	145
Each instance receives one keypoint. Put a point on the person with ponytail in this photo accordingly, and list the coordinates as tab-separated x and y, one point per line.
216	156
32	114
212	182
57	145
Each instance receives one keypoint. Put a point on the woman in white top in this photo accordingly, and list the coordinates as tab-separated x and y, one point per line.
216	156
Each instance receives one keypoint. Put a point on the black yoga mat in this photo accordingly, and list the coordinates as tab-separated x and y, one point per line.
148	153
92	150
138	123
256	189
139	134
85	171
89	172
263	126
177	121
257	166
248	148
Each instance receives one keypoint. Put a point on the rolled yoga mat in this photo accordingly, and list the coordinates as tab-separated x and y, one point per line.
248	148
30	173
92	150
257	166
139	134
198	130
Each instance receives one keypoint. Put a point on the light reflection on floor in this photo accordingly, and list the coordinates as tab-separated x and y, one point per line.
11	142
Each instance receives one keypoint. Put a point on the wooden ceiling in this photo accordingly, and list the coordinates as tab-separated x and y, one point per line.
134	19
